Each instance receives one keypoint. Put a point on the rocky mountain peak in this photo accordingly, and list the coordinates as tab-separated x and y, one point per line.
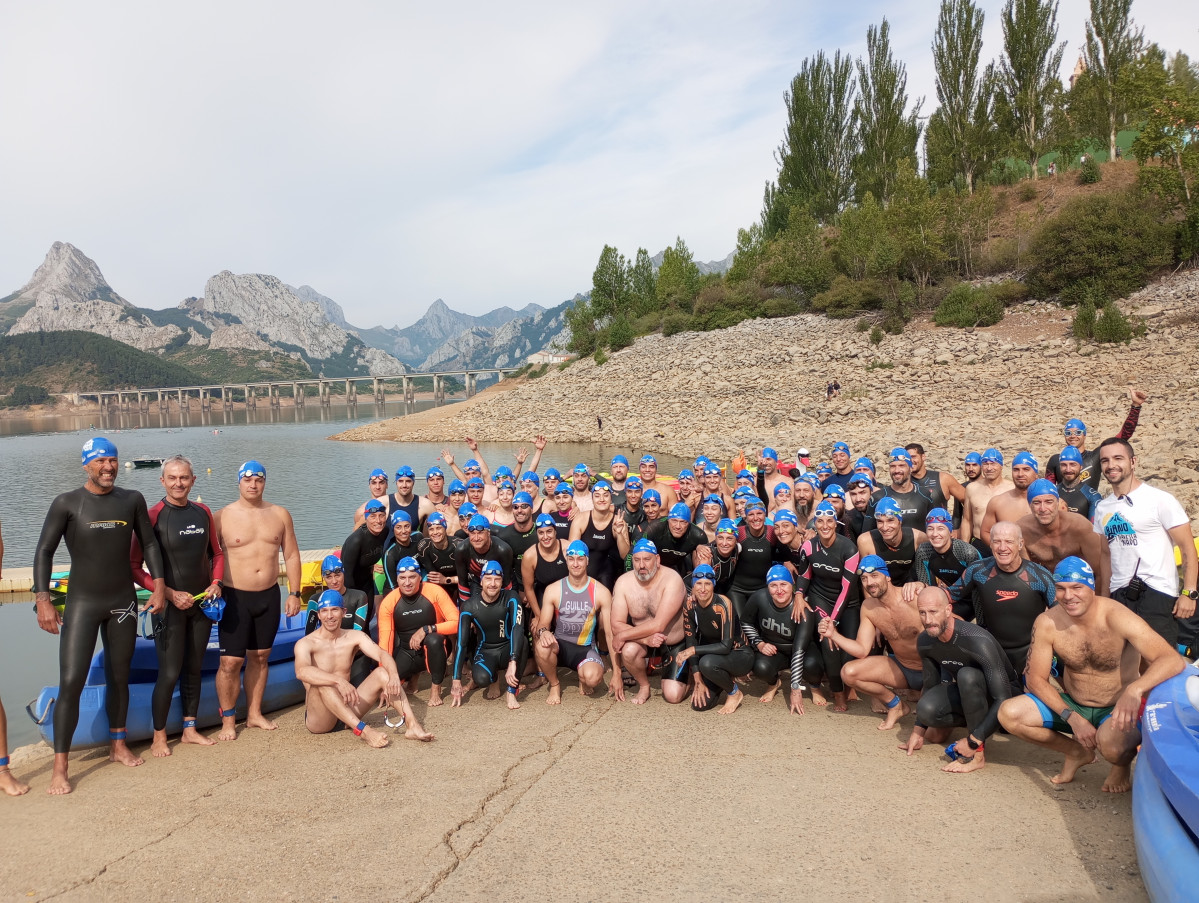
66	276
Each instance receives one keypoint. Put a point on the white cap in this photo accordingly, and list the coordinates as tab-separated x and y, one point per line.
803	453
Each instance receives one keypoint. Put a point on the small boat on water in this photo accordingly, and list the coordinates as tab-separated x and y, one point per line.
1165	793
146	462
283	689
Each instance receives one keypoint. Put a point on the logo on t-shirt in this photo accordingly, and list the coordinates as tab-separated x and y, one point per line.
1116	528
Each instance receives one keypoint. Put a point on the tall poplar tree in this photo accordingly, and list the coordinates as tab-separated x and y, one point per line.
962	127
887	132
1028	73
1112	46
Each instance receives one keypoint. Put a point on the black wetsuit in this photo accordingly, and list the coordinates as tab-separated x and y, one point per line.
433	559
191	559
99	531
933	568
393	552
766	623
966	679
518	541
412	614
676	552
548	571
901	559
724	567
359	554
829	583
914	504
1091	473
561	524
470	565
604	562
755	556
500	636
1006	604
721	654
632	518
930	484
785	554
858	522
1081	499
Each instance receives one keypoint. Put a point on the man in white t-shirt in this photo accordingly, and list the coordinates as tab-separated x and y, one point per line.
1142	525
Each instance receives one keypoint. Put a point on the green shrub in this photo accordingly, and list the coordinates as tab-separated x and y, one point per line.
538	371
1027	192
780	307
647	323
1083	325
1112	242
1112	325
720	318
894	324
26	395
999	255
968	306
1008	293
675	322
880	365
876	335
863	325
565	364
600	357
620	333
1090	173
847	297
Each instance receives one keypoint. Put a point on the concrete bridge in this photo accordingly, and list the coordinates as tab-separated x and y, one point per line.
250	393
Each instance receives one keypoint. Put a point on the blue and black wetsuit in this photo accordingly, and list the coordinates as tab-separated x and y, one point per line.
1006	603
721	653
933	568
829	583
500	636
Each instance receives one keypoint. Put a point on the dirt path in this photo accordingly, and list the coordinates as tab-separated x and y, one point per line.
589	800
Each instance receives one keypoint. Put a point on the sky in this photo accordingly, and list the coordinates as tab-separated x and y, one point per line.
392	153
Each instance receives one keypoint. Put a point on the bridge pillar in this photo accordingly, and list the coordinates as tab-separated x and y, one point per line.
226	399
184	401
205	402
251	401
297	395
380	396
438	389
351	392
273	395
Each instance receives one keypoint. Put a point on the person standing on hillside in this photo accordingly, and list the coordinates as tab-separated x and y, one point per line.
252	531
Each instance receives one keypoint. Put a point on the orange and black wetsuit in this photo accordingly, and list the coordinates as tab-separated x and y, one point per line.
432	615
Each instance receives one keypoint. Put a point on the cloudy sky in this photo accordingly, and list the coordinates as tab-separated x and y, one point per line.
389	154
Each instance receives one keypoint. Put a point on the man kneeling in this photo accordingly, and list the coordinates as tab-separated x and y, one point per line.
323	660
1099	644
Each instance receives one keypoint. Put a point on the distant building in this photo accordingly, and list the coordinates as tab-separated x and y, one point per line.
548	357
1079	68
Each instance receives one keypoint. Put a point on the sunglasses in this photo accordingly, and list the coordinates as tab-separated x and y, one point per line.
522	507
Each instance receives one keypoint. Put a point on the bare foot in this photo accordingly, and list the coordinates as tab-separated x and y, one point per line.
228	728
11	785
119	752
493	692
642	696
416	732
878	708
839	702
894	714
59	785
260	722
732	703
191	735
1072	765
957	766
435	696
468	685
159	748
537	682
555	695
853	695
585	690
771	691
819	698
513	702
1119	779
410	684
375	738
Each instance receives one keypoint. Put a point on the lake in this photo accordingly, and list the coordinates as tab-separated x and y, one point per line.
319	481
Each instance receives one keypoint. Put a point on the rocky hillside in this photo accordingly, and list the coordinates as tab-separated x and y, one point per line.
504	346
762	382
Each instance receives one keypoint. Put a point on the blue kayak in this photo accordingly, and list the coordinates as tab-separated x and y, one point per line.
1165	797
282	690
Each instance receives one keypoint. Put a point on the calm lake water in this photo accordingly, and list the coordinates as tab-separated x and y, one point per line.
321	482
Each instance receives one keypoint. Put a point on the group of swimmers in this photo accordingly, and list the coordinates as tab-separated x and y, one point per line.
1035	605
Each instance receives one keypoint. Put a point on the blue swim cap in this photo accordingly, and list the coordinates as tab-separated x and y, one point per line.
522	498
398	517
711	468
834	491
781	487
644	545
436	519
1026	459
634	483
478	522
99	447
841	446
743	492
744	475
648	459
755	504
873	563
620	459
864	462
378	472
331	564
475	483
714	499
581	468
472	464
407	565
770	453
467	511
726	525
530	476
778	573
825	509
564	489
1070	454
330	598
686	474
887	507
812	480
652	495
939	516
703	572
899	455
492	567
434	472
551	473
405	472
372	506
858	479
1041	487
578	549
249	469
506	484
1073	569
824	468
455	486
992	456
544	520
1075	424
786	514
503	471
601	486
973	458
680	511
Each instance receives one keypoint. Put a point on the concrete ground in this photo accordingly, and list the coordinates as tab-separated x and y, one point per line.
590	800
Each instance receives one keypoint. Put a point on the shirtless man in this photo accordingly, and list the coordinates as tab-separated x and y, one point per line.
377	482
647	613
885	612
648	469
1097	642
978	495
435	499
1012	504
1052	533
580	480
769	474
323	660
252	531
